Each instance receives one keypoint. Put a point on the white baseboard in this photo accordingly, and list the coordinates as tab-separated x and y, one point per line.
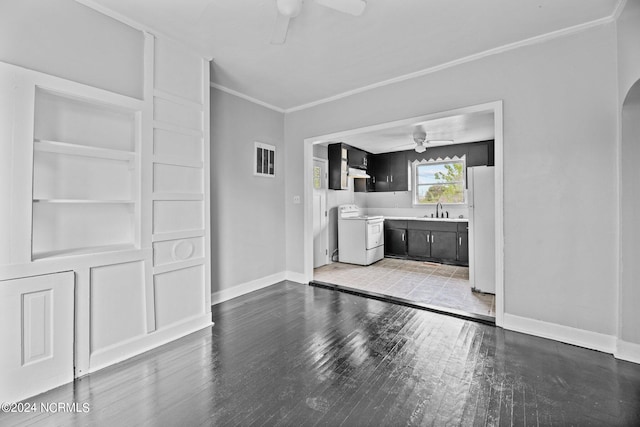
247	287
566	334
628	351
296	277
125	350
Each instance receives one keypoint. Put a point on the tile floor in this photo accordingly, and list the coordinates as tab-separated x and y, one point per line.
426	282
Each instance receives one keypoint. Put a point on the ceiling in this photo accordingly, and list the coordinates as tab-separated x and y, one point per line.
328	53
472	127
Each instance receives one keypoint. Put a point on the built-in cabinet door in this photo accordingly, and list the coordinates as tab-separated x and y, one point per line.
418	244
396	241
444	245
36	350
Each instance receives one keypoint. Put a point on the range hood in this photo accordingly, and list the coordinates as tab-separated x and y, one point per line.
358	173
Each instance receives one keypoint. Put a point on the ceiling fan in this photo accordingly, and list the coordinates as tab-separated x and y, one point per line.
289	9
420	138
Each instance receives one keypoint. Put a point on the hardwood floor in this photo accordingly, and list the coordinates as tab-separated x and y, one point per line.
298	355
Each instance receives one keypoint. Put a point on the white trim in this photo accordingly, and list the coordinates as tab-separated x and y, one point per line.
161	94
565	334
498	161
496	107
325	183
501	49
138	345
255	285
247	287
628	351
292	276
247	97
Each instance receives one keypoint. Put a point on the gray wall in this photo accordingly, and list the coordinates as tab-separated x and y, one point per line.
247	212
628	27
560	132
66	39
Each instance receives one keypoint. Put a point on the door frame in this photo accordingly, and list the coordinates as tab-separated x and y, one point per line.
497	108
325	182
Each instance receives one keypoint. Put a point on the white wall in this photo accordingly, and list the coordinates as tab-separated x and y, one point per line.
247	212
66	39
559	165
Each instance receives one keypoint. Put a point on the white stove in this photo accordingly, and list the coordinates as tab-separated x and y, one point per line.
360	237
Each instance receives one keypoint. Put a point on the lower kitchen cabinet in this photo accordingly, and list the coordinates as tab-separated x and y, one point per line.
395	238
419	244
444	245
463	243
438	241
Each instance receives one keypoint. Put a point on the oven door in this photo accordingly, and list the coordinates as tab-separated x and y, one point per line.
375	233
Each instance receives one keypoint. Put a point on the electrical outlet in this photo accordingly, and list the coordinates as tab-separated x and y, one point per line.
296	200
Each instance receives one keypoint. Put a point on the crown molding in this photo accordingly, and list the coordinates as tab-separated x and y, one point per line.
495	51
501	49
246	97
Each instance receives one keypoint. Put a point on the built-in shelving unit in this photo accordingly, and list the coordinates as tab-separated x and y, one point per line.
85	175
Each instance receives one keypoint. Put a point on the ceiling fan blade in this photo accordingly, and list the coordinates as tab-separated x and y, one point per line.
280	30
352	7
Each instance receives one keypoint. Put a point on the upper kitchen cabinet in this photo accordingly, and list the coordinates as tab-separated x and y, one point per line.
391	172
480	154
338	167
357	158
341	158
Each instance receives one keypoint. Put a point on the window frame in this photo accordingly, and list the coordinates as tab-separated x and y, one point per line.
415	165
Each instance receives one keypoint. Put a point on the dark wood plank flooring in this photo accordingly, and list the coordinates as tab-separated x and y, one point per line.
299	355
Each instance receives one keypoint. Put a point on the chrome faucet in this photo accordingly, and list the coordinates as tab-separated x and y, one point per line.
439	204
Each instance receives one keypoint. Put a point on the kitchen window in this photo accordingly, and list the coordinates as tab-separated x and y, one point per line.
439	182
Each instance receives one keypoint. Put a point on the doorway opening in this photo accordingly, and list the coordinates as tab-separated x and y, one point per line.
442	263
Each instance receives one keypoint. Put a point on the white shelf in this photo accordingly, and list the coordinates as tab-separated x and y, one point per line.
83	251
48	146
83	201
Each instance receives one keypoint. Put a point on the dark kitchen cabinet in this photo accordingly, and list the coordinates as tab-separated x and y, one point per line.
395	238
338	167
463	243
418	243
391	172
444	245
341	158
438	241
357	158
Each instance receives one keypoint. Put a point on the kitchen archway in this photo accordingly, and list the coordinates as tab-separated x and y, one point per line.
495	108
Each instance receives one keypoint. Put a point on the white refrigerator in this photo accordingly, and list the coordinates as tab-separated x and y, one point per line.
482	236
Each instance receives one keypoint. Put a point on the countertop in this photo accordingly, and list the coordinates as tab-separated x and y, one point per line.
422	218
